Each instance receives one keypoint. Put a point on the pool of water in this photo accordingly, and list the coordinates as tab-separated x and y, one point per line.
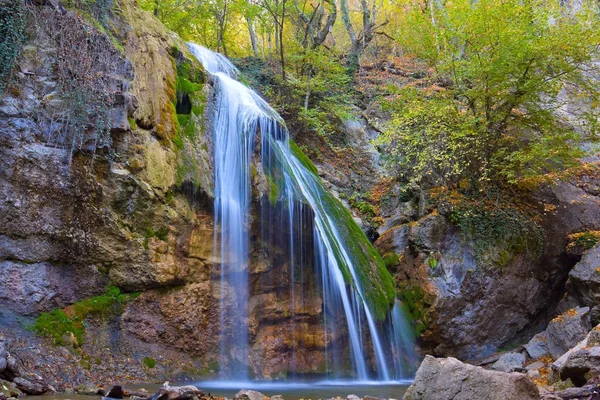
309	391
289	391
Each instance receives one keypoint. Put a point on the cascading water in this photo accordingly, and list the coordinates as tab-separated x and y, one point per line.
241	119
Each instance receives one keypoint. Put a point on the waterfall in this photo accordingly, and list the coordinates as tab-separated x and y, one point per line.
378	347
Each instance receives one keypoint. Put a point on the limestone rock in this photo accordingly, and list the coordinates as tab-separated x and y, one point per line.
509	362
450	379
566	330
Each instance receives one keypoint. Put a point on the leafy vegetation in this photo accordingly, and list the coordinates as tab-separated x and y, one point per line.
583	240
498	233
66	325
503	66
149	362
12	31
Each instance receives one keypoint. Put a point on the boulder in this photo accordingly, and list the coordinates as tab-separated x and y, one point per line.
509	362
535	365
582	361
87	388
115	392
584	278
249	395
566	330
29	387
538	347
168	392
450	379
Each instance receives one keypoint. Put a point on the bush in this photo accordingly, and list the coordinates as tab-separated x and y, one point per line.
149	362
12	32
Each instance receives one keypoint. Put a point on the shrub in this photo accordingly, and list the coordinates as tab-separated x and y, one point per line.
149	362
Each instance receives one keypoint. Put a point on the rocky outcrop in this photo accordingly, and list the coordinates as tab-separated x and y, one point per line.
456	292
449	379
566	330
582	362
584	279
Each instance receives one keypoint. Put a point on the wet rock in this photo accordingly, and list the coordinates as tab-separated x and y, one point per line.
509	362
537	346
352	397
566	330
249	395
29	387
450	379
114	392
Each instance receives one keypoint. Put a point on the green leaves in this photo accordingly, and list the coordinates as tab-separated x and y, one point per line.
513	66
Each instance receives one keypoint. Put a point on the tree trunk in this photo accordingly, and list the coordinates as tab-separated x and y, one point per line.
253	40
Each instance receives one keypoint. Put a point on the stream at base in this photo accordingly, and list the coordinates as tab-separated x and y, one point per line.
289	390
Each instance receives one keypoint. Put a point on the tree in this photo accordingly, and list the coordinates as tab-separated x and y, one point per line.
504	64
370	27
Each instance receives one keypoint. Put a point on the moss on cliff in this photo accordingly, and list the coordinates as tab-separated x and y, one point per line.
65	326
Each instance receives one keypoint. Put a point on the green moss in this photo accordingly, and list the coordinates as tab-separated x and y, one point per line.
66	325
149	362
418	304
303	158
273	190
178	141
183	119
391	260
163	233
373	277
132	123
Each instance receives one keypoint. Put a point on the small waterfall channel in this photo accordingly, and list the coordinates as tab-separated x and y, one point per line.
379	345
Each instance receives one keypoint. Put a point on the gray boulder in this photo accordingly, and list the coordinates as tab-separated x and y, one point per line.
250	395
568	329
538	346
29	387
509	362
450	379
582	362
584	278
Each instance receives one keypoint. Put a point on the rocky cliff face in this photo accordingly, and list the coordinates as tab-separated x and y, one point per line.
128	203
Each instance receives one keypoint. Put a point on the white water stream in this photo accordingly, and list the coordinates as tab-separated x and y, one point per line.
241	118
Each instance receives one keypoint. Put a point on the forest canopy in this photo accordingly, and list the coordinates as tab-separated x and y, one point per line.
512	84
